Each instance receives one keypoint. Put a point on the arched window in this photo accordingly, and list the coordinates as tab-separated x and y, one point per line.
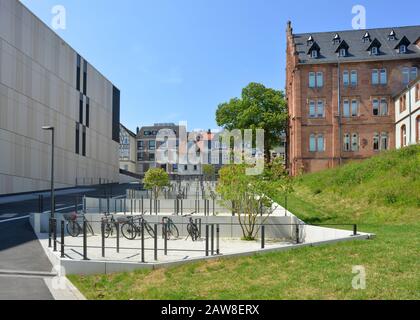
403	136
312	113
375	107
312	143
346	108
346	146
376	141
321	109
354	142
320	143
354	108
384	141
418	129
384	107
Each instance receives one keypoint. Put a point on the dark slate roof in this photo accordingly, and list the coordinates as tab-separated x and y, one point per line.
357	48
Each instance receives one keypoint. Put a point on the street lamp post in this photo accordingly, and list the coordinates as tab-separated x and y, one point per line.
50	128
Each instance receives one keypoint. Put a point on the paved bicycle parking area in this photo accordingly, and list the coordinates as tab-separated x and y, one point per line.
178	249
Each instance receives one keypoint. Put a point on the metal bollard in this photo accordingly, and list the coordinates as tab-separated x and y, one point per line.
62	239
165	238
117	226
103	237
355	230
262	237
217	239
156	242
84	241
55	233
142	241
49	232
207	240
212	239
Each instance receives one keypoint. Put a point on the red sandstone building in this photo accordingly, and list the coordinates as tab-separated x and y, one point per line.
339	87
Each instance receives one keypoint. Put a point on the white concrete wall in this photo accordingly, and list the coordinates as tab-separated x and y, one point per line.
37	88
275	227
404	118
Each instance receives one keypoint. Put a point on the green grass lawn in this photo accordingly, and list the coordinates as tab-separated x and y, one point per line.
382	195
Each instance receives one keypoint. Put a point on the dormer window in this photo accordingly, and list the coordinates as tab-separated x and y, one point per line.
336	39
314	50
402	46
342	49
374	47
366	37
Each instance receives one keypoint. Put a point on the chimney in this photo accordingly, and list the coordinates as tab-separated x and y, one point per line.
289	29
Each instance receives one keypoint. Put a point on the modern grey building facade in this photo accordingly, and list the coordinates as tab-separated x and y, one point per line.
44	82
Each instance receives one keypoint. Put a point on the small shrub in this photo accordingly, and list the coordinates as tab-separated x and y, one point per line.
317	191
391	197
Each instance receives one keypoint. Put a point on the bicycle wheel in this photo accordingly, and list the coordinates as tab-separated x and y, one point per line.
90	229
129	231
149	229
73	228
108	230
192	231
173	231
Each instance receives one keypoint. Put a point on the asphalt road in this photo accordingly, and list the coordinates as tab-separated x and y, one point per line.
21	256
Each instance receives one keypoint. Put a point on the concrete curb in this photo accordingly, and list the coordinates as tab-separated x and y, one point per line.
28	273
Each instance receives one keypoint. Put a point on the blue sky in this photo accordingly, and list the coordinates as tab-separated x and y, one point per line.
176	60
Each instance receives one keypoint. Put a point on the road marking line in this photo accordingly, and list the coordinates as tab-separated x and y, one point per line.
8	220
60	209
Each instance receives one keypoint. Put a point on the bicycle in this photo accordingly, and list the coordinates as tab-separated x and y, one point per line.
131	229
192	229
171	228
110	225
73	227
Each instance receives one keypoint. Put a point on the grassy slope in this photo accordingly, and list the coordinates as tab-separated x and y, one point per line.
381	194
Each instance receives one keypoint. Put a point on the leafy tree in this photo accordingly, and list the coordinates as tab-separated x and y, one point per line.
208	171
247	194
258	108
156	179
